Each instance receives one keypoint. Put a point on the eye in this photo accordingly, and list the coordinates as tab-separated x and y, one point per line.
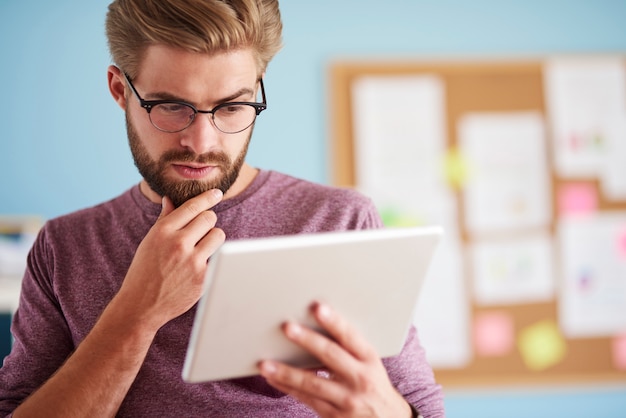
173	108
229	109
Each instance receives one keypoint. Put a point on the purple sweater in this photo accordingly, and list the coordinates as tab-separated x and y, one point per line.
78	264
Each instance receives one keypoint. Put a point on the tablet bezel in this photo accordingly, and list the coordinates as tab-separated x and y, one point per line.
372	277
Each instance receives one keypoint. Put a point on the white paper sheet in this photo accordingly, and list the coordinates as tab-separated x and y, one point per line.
613	174
586	99
508	186
443	313
511	271
400	150
592	300
399	130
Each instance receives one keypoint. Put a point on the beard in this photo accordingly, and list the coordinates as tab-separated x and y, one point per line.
179	191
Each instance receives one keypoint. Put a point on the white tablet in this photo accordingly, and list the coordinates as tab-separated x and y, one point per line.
372	277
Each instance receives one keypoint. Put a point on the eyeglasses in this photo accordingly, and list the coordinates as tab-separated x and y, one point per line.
175	116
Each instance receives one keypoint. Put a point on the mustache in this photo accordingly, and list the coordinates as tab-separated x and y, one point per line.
219	158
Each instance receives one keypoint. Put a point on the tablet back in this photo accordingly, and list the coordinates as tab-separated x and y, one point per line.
372	277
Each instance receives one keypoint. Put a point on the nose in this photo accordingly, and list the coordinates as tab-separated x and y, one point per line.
201	136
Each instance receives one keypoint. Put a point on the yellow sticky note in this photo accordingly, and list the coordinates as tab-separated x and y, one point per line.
455	168
541	345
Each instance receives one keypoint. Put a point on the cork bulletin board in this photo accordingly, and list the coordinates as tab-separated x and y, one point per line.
478	86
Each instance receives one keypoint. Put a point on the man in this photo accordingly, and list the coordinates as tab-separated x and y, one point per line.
108	296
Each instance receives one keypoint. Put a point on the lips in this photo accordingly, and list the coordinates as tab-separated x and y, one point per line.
194	172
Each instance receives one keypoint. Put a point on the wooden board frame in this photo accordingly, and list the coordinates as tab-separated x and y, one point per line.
480	86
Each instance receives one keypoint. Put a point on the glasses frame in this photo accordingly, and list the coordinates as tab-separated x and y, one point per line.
149	104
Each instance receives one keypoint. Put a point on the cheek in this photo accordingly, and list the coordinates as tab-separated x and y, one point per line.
239	144
233	147
145	141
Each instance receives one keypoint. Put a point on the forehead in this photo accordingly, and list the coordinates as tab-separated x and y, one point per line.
169	69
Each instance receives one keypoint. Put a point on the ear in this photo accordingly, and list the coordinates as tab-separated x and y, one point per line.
117	85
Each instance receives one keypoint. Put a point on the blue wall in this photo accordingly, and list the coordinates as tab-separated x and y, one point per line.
63	143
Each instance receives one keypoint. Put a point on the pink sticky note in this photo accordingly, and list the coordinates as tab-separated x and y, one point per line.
621	242
493	334
577	199
619	352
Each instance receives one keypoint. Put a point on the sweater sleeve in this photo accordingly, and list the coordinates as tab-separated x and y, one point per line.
413	377
42	340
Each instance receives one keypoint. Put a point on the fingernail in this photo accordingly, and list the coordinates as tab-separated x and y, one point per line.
268	367
293	330
218	193
323	311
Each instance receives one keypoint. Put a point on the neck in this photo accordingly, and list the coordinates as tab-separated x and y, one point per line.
246	175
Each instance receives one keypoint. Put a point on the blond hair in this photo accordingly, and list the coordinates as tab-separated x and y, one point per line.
204	26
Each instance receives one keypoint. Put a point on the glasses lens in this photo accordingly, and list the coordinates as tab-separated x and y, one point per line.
171	117
233	118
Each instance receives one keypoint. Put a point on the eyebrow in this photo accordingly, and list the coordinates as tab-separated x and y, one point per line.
168	96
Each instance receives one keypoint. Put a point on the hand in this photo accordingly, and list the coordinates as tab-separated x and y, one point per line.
166	276
356	383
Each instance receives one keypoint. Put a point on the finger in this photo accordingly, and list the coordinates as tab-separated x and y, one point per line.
211	242
166	207
329	352
189	210
343	332
305	385
198	227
